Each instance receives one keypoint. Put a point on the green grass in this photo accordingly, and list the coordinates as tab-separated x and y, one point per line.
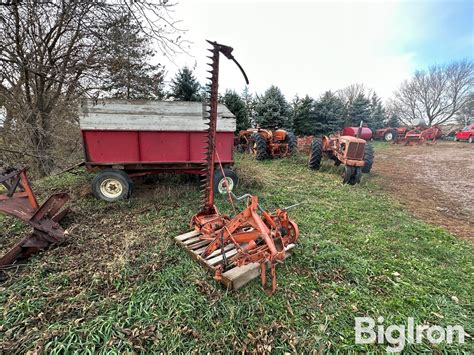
122	285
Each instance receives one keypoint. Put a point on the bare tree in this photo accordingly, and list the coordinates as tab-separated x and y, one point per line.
435	96
50	55
351	92
465	115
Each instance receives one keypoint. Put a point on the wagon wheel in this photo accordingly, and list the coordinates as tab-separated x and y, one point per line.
112	185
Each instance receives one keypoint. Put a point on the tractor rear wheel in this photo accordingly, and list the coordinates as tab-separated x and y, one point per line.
258	146
112	185
316	154
368	158
292	143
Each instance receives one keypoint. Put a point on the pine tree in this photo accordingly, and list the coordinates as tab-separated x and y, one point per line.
358	111
237	106
250	103
377	113
272	110
393	121
303	116
329	114
129	73
185	87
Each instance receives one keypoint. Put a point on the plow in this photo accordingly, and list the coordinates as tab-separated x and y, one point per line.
18	200
239	248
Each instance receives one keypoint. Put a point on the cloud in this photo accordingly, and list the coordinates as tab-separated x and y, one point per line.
303	47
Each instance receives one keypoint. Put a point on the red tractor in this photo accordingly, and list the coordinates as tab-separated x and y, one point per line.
353	152
265	144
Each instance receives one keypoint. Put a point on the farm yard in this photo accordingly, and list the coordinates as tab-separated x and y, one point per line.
433	181
121	284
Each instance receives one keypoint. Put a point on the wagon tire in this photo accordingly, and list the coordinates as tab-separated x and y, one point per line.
471	139
316	154
292	143
258	146
455	139
112	185
368	158
390	136
219	181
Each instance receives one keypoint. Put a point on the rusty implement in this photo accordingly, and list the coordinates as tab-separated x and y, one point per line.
235	248
420	135
256	235
20	201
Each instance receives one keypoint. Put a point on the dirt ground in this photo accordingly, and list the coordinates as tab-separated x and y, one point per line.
435	182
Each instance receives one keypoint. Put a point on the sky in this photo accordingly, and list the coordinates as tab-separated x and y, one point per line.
309	47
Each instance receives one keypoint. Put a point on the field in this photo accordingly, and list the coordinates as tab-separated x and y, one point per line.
122	285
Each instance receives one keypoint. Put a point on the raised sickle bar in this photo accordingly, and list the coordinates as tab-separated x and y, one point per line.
20	201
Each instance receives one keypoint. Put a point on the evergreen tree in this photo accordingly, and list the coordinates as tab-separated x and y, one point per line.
129	73
303	116
250	103
237	106
272	110
377	113
393	121
185	87
358	111
329	114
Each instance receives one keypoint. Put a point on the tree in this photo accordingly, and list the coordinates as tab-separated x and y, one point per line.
393	121
466	113
358	111
329	112
435	96
184	86
237	106
250	103
377	115
51	54
129	73
272	110
304	116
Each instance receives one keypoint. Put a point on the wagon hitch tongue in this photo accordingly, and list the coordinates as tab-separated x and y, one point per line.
20	201
253	236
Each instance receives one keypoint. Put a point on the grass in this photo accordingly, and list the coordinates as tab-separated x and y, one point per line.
122	285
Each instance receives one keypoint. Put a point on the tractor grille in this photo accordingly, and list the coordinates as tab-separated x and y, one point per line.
355	151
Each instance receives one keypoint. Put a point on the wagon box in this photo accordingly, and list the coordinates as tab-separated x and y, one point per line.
138	137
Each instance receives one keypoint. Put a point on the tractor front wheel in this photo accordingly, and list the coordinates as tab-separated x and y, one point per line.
316	154
112	185
258	146
351	175
368	158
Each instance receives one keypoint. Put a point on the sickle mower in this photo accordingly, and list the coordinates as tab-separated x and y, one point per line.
235	248
20	201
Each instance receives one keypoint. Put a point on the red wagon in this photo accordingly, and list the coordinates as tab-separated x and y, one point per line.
124	138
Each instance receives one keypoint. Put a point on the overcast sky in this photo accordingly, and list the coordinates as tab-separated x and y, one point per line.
309	47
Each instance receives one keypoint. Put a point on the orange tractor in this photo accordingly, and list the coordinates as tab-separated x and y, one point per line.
265	144
353	152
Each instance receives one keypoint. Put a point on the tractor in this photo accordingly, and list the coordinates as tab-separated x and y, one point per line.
353	152
265	144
